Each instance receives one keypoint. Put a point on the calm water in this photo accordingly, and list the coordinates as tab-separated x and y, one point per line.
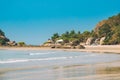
50	64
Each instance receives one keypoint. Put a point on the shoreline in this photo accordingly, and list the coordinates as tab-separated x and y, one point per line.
101	70
98	49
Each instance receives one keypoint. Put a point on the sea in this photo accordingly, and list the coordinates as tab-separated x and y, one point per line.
51	64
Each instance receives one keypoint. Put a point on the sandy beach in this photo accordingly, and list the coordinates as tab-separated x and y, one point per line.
99	48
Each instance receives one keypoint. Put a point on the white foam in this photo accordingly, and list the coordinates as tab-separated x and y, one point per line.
41	59
12	61
26	60
53	58
42	53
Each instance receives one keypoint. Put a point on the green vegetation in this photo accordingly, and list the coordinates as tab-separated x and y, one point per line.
110	29
21	44
3	39
72	36
55	36
1	33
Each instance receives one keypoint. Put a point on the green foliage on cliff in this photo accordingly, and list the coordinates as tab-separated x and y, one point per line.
1	33
110	29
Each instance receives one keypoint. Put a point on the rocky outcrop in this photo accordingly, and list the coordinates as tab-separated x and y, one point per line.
102	40
48	43
3	37
97	41
12	43
4	41
89	41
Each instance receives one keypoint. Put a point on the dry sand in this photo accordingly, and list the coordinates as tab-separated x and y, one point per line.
99	48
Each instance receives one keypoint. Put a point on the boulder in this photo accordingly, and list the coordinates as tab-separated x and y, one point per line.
89	41
75	43
102	40
97	41
80	47
12	43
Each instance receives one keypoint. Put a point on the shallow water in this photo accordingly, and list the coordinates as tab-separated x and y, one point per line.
51	65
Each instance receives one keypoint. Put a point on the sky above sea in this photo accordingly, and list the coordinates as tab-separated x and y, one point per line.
35	21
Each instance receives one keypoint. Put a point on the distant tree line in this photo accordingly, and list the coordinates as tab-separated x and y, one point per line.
70	36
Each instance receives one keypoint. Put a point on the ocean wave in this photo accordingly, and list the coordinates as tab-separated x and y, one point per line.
41	53
43	59
13	61
27	60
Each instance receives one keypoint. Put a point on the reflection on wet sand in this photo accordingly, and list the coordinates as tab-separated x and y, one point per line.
109	70
104	71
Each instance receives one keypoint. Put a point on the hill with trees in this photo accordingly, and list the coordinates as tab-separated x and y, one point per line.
107	31
110	29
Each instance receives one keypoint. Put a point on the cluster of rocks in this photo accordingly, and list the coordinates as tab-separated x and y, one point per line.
12	43
93	41
61	44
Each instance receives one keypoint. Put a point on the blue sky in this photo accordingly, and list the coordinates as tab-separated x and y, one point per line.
34	21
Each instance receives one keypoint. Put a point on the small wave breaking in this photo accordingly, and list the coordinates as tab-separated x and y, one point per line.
12	61
42	59
42	53
27	60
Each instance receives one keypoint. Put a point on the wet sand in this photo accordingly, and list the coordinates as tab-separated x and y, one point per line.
100	71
